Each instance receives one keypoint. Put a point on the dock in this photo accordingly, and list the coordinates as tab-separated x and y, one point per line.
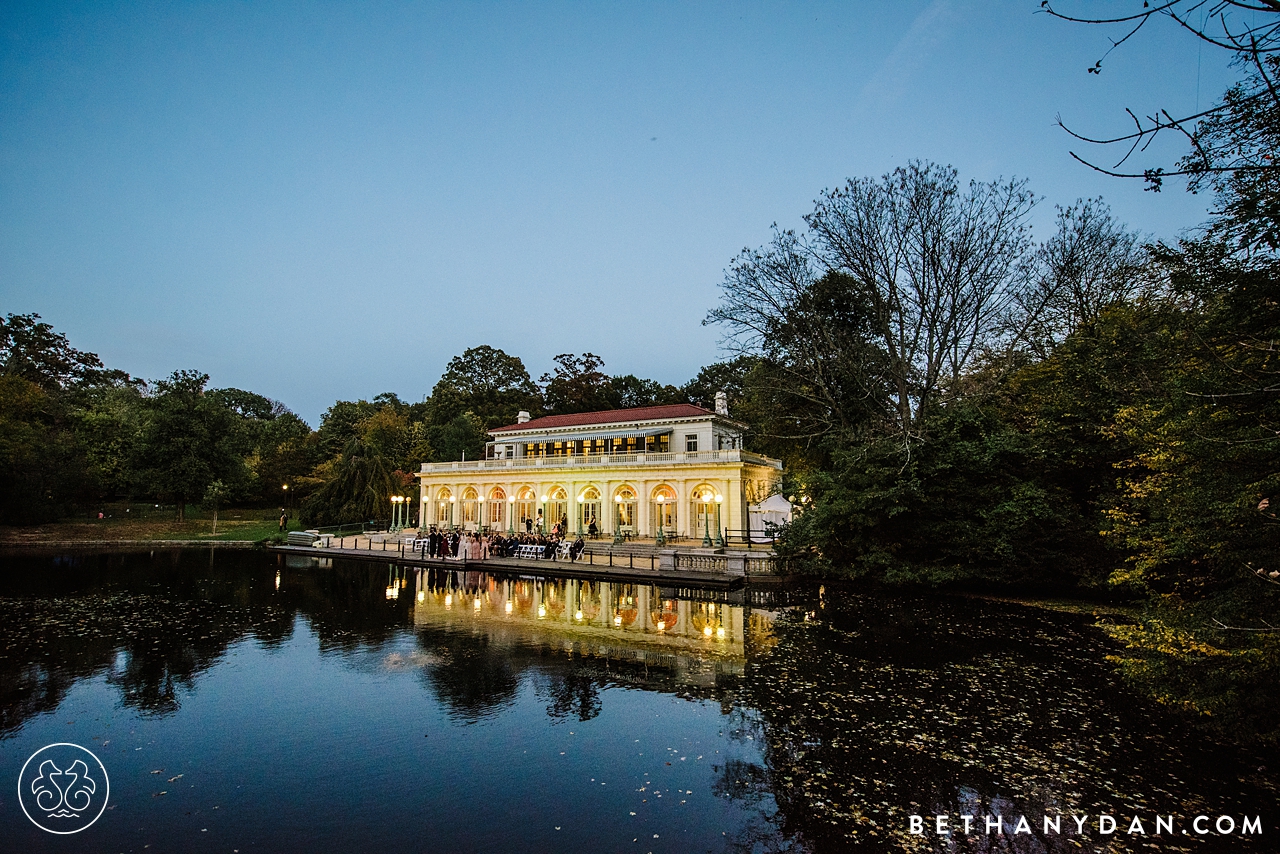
638	568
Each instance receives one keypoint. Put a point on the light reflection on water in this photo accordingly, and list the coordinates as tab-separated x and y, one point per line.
243	701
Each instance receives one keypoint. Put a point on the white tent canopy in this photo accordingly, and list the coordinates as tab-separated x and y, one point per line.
773	512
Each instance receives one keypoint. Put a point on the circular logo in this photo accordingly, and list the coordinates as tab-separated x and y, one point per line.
63	788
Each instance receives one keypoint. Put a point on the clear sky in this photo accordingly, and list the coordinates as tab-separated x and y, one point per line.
318	201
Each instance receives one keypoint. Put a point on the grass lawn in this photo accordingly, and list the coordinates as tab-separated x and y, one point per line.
232	525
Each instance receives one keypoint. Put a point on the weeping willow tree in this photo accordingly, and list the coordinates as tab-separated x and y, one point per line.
357	485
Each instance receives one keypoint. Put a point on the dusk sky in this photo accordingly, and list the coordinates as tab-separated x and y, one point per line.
323	201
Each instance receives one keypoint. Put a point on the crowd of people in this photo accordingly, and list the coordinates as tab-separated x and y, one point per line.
463	545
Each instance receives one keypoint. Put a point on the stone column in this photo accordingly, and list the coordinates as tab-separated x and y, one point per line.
643	528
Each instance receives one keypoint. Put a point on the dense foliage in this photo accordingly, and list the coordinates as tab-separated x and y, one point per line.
75	434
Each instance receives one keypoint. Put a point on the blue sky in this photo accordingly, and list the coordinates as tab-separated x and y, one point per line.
318	201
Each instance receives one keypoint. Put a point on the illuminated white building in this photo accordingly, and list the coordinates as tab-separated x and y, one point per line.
630	471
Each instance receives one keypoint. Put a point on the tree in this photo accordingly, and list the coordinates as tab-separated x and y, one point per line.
627	391
576	385
900	285
1231	143
31	349
486	382
340	424
188	440
357	486
41	467
214	495
1090	263
457	439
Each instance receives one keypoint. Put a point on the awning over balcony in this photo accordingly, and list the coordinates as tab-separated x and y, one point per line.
578	437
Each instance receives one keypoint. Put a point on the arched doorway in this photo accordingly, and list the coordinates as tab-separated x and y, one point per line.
662	511
443	506
557	508
526	508
496	516
702	511
625	516
589	520
470	508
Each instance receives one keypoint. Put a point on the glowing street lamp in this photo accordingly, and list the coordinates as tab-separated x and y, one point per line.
579	500
511	514
453	499
543	523
706	519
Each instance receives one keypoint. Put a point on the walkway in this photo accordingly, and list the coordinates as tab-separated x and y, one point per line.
622	567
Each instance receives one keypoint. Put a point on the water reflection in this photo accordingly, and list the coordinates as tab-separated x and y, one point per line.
598	617
845	712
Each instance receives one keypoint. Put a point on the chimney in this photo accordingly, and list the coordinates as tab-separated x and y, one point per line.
522	416
722	404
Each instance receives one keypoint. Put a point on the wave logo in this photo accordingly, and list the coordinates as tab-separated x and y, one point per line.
63	788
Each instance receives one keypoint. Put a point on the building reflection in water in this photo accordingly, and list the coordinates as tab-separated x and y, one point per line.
637	622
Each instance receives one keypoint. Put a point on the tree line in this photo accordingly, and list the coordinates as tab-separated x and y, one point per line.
960	404
75	434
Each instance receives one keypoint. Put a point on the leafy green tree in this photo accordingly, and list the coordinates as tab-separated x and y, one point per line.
41	469
576	385
31	349
340	424
214	495
461	438
107	422
488	383
627	391
188	440
356	487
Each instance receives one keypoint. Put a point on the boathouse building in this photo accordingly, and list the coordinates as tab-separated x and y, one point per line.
629	472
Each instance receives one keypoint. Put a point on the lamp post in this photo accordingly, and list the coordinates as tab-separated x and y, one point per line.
578	500
453	499
542	519
286	496
617	528
511	513
662	519
719	530
706	520
422	515
396	502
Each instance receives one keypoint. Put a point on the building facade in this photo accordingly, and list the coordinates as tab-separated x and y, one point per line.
628	472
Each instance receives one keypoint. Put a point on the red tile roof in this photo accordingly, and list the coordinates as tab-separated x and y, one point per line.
611	416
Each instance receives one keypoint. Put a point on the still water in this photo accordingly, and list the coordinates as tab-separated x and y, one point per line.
241	702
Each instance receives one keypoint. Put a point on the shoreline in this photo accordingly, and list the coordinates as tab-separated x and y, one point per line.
11	547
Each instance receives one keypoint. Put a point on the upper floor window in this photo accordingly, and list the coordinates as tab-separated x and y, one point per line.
691	442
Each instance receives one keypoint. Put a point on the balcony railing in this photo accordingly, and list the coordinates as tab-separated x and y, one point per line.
589	461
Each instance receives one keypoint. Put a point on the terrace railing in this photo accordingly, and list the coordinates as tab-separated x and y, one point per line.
589	460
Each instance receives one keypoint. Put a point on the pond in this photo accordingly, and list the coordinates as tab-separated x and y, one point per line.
241	701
